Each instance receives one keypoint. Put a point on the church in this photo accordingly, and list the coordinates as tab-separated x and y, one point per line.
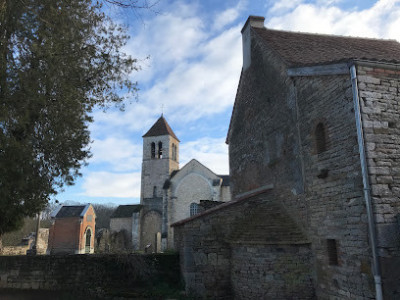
168	193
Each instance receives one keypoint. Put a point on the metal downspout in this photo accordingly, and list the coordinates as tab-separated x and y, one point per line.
367	188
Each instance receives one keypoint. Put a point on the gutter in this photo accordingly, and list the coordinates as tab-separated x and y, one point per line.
366	185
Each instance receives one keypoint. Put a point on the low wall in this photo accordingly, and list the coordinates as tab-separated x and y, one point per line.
92	275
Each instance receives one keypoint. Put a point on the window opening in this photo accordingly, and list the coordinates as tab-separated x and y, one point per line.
173	151
153	150
87	242
320	140
154	191
160	150
194	209
332	252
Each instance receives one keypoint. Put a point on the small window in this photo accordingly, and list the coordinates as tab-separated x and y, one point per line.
173	152
332	252
194	209
320	140
153	150
89	218
160	150
154	191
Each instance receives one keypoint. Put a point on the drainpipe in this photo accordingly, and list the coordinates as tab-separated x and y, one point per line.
367	188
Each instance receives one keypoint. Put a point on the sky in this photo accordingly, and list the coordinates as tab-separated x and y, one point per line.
190	54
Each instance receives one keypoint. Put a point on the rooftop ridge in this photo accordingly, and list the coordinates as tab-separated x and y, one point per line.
160	127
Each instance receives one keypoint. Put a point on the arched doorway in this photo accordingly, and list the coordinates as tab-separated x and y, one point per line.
88	239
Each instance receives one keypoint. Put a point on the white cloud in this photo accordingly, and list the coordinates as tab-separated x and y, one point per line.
121	154
107	184
211	152
379	21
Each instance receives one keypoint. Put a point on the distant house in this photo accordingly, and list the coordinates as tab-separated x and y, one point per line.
73	229
123	220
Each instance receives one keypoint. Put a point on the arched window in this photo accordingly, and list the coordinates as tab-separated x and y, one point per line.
320	140
88	240
194	209
153	150
160	150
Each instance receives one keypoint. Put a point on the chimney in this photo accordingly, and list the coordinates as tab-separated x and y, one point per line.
252	21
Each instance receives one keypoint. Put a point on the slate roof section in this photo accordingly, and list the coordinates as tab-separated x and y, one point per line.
160	127
72	211
126	211
306	49
225	180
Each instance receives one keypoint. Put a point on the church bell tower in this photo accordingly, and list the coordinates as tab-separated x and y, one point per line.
160	159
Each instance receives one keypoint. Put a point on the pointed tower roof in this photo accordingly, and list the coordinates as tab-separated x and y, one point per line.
160	127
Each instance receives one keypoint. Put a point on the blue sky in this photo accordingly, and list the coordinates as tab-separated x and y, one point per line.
192	76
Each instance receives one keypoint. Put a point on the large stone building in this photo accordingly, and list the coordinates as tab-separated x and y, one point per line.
168	193
314	151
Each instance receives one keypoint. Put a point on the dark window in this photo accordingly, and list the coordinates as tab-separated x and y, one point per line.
173	152
332	252
154	191
153	150
320	140
160	150
194	209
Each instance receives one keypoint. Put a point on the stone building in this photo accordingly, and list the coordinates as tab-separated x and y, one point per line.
72	230
168	193
315	175
125	220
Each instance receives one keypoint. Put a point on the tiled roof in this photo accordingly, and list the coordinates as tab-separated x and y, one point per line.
160	127
306	49
70	211
126	211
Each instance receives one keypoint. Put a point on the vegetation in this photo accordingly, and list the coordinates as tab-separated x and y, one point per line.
58	60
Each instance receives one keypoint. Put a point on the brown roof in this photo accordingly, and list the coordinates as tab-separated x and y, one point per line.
305	49
160	127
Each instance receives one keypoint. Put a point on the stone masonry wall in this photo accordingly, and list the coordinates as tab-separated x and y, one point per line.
380	105
333	187
88	274
273	139
271	272
225	253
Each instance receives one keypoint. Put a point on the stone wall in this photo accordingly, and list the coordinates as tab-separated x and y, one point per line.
380	106
89	274
224	251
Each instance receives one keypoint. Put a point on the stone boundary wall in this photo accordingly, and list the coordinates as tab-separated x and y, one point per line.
92	275
224	252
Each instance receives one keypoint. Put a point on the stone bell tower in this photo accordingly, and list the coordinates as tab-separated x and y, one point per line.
160	159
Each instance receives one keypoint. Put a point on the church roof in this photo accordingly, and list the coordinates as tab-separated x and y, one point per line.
126	211
299	49
160	127
70	211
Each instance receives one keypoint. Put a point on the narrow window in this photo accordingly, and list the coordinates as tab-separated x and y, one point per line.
320	141
332	252
154	191
194	209
173	152
153	150
160	150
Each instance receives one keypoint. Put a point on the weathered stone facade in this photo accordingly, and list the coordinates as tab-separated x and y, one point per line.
293	127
